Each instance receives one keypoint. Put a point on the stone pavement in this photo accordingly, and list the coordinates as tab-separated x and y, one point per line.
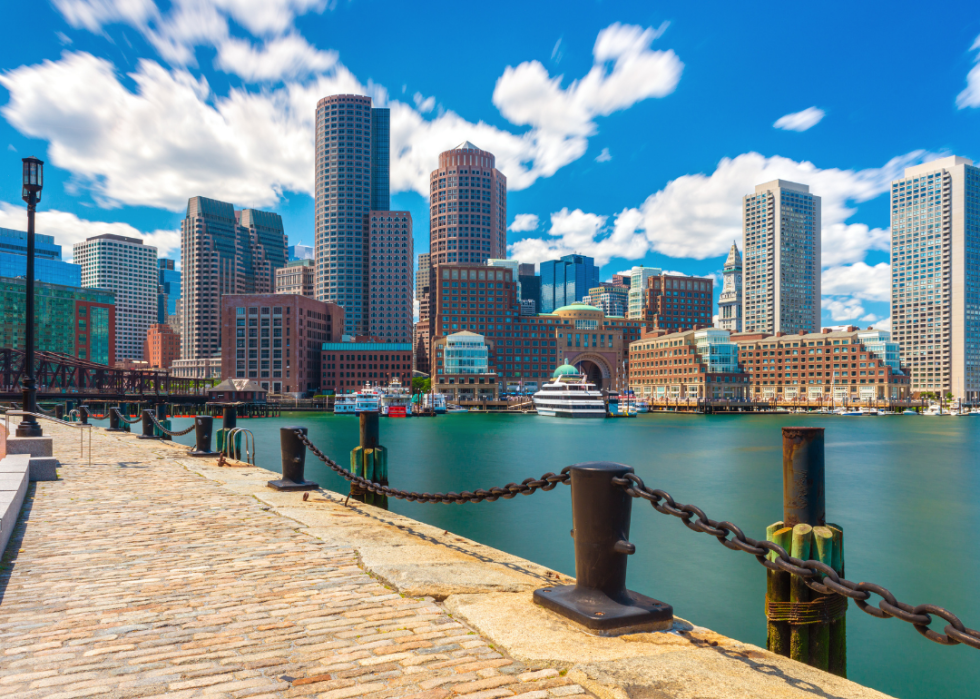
136	577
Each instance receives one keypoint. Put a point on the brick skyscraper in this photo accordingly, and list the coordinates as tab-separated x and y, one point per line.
467	207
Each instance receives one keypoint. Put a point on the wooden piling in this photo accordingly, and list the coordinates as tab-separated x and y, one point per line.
838	627
823	545
777	590
799	635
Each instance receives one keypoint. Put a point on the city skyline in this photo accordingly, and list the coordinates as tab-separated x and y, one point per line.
585	172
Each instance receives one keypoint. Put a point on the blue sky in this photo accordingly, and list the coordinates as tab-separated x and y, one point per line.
629	131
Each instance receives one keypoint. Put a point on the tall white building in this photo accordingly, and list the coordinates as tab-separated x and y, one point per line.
390	271
638	285
730	301
129	268
935	215
781	264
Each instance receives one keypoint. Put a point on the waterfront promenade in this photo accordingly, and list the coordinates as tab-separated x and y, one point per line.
153	573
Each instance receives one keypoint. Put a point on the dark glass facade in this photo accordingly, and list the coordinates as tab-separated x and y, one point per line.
380	157
48	265
566	280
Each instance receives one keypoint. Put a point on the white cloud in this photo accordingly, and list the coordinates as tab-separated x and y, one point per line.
842	243
68	229
884	324
93	14
580	232
424	104
843	309
524	222
859	280
288	56
800	121
604	156
970	97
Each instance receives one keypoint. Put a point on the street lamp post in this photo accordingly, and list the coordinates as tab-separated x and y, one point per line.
33	181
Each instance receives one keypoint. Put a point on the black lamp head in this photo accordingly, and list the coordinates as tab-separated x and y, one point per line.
33	180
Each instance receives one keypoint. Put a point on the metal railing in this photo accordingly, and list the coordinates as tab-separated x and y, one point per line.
78	425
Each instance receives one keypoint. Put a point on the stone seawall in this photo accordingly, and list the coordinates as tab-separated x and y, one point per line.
153	572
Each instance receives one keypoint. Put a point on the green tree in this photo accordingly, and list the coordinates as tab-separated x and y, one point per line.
421	385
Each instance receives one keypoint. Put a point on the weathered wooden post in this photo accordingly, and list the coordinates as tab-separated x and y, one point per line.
801	624
370	460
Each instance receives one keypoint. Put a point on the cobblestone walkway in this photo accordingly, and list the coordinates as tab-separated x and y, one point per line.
135	577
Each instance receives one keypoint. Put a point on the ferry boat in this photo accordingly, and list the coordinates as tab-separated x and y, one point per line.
457	409
435	402
396	401
642	406
343	404
368	400
569	395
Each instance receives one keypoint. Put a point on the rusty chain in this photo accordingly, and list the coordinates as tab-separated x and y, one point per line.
547	482
124	418
163	429
817	576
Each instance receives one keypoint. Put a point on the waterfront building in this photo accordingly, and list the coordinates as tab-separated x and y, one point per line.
168	288
781	271
422	285
161	347
467	207
48	265
637	290
352	180
832	365
935	257
300	252
566	280
345	367
390	309
730	301
622	280
297	277
673	303
693	364
524	350
275	339
128	268
465	374
267	248
202	368
67	319
420	345
613	299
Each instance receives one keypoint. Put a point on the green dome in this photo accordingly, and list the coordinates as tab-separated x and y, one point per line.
577	306
565	370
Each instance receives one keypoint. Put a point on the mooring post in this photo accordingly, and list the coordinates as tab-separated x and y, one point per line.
370	460
114	420
83	414
202	436
229	421
599	600
147	423
161	410
802	624
293	461
59	411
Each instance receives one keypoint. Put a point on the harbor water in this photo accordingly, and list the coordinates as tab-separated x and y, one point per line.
905	489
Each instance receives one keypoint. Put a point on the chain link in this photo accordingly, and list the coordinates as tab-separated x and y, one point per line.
124	418
547	482
817	576
168	432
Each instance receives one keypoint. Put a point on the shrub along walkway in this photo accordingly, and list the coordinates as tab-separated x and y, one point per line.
135	577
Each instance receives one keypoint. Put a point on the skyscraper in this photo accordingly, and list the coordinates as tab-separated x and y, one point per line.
223	251
529	286
781	240
129	268
730	301
351	181
467	207
300	252
935	216
638	290
48	265
390	269
168	293
422	285
566	280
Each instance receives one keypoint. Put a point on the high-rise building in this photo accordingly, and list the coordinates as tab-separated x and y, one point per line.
267	247
622	280
935	216
638	289
781	242
129	268
566	280
67	319
297	277
48	265
223	251
675	303
161	346
422	281
468	207
168	293
730	301
611	299
529	286
390	311
352	166
300	252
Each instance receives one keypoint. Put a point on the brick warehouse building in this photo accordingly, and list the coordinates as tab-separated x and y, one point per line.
161	346
275	339
524	350
674	303
699	364
346	366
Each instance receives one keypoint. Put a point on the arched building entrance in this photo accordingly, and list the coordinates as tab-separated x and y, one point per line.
595	368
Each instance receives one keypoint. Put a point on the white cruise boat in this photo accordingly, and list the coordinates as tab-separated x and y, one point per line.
396	401
368	400
435	402
343	404
569	395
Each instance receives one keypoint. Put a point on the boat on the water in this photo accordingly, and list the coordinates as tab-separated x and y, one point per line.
569	395
343	404
436	402
396	400
368	400
642	406
456	409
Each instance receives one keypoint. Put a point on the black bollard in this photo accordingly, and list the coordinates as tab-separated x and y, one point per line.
161	410
114	421
147	425
202	433
83	414
804	494
293	462
59	411
599	600
230	418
